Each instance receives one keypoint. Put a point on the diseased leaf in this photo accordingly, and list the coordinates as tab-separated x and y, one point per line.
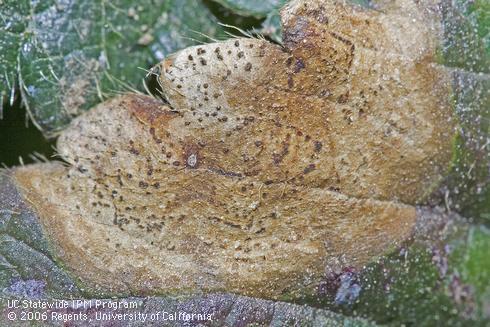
68	56
27	272
271	26
26	265
264	156
439	279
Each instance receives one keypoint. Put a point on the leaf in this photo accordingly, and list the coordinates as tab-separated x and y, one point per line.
252	131
69	56
27	271
10	40
467	34
256	8
271	26
469	183
206	310
26	266
442	278
466	47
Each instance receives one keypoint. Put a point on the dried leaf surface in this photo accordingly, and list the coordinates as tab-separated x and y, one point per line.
269	165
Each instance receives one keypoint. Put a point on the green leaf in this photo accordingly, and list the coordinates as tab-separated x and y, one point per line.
11	25
256	8
271	27
467	34
466	48
470	179
68	56
441	279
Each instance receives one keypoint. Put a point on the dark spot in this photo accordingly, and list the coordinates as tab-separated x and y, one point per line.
203	62
240	54
319	15
134	151
278	157
190	57
143	184
318	146
296	33
298	66
343	98
309	169
248	67
258	143
176	163
237	44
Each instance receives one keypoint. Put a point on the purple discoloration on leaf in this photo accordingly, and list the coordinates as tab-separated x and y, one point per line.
30	288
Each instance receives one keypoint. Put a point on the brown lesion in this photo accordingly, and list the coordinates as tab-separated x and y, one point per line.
148	110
